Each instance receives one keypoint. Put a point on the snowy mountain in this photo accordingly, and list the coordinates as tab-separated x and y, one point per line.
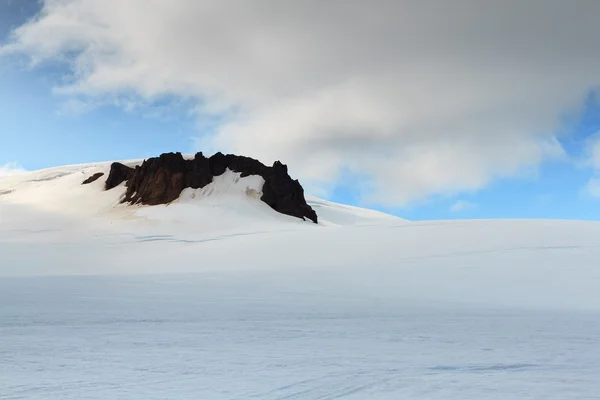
218	296
230	200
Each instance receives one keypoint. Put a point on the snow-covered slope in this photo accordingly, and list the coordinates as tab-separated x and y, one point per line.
344	215
215	296
228	201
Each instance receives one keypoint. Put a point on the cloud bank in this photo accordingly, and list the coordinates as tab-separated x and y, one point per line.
10	169
416	97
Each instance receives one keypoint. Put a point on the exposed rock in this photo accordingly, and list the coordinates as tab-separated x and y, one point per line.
119	173
93	178
158	180
286	195
198	172
161	180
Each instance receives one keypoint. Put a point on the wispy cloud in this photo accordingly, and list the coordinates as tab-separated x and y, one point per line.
593	152
421	98
10	169
592	188
75	107
592	160
462	205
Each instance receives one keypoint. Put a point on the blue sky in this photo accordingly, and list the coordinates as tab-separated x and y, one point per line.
40	128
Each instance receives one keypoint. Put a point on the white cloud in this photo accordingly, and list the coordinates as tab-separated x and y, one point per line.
462	205
593	188
423	97
593	151
10	169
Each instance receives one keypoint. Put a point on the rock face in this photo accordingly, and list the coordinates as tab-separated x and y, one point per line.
119	173
161	180
93	178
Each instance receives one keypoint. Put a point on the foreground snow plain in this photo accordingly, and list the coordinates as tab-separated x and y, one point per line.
218	297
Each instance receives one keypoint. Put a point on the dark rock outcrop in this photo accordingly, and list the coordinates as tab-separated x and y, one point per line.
161	180
119	173
284	194
93	178
158	180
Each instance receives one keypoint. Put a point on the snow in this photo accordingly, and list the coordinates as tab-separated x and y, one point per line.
216	296
344	215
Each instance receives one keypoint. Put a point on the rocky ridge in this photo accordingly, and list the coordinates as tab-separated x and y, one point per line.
160	180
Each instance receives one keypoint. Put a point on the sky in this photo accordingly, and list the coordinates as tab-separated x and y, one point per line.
424	109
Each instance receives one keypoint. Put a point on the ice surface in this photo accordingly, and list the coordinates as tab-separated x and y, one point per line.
218	297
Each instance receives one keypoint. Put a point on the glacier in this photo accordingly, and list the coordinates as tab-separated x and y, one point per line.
216	296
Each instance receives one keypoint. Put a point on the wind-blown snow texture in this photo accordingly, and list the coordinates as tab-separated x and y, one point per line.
216	296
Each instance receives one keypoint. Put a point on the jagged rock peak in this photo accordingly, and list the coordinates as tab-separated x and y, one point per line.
160	180
118	174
